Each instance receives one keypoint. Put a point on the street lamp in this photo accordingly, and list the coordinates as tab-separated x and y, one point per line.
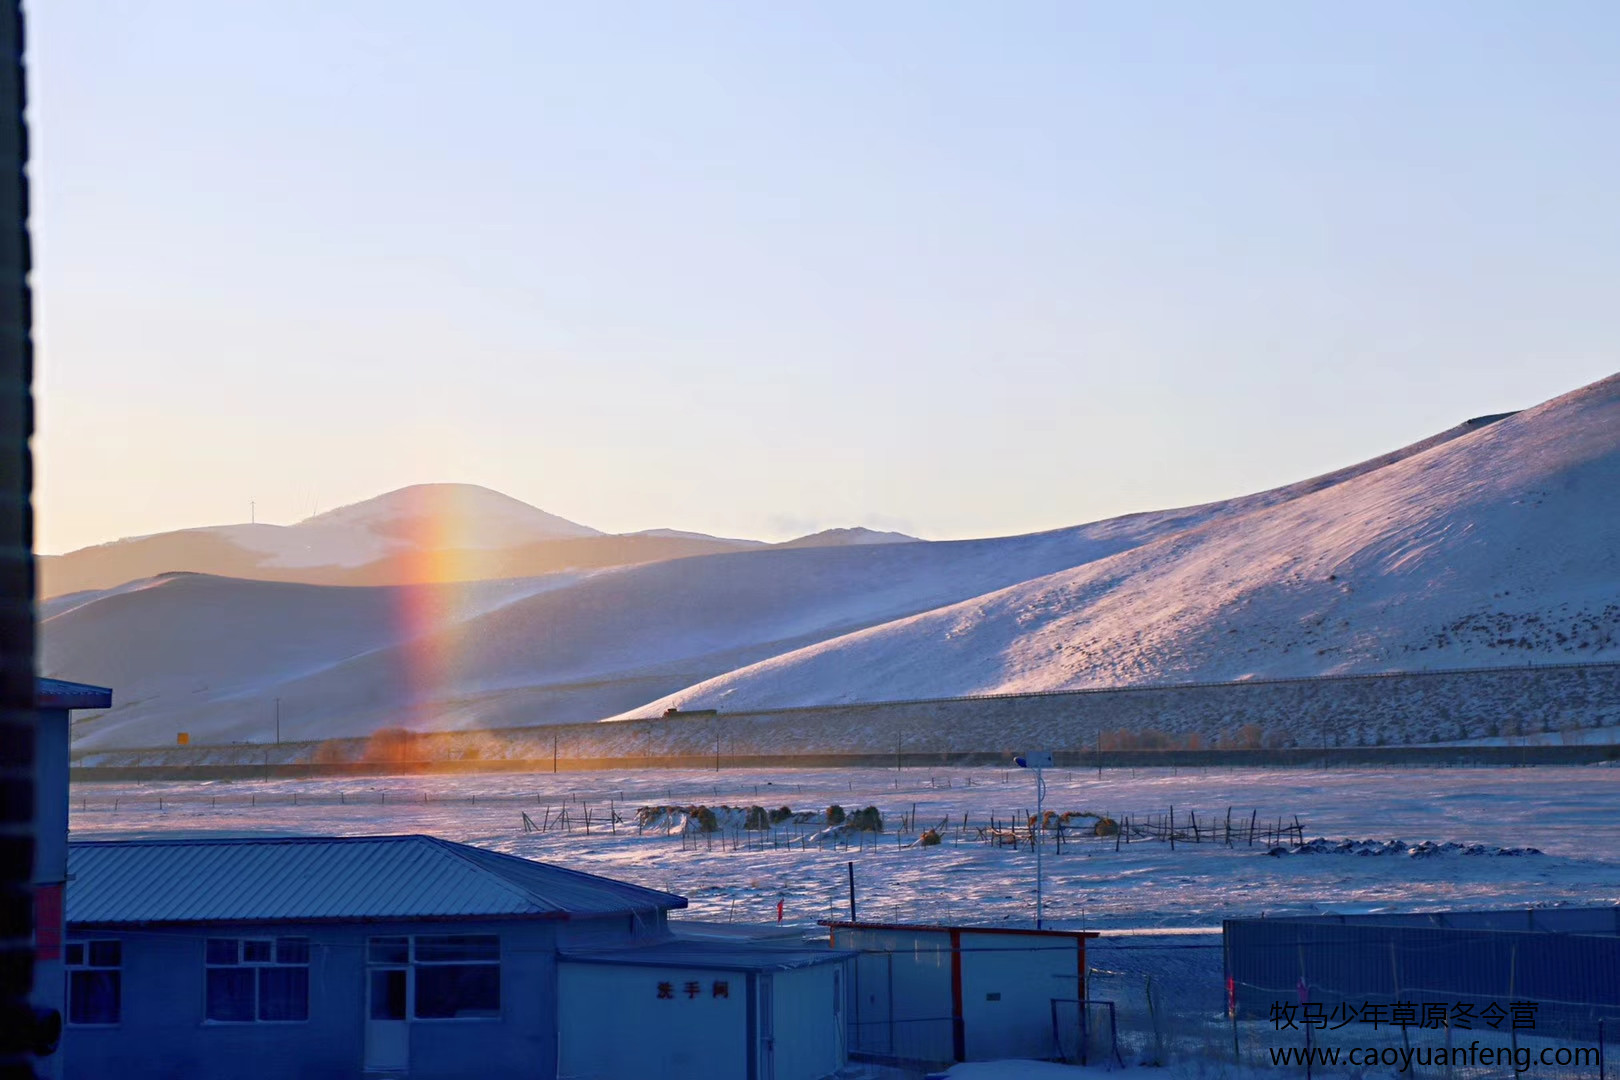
1037	760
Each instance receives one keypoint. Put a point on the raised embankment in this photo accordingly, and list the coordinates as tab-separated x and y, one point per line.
1364	720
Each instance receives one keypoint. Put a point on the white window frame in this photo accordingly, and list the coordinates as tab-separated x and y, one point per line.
85	964
244	964
413	962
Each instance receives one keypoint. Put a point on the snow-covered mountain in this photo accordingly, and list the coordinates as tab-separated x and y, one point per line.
207	655
419	534
423	534
848	538
1491	543
1496	545
447	516
683	534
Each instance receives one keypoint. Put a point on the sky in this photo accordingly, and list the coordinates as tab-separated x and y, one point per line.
954	269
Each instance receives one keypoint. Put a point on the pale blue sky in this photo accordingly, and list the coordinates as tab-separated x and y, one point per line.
754	269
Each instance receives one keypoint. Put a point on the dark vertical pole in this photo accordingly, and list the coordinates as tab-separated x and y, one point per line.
958	1019
1513	975
851	892
1304	992
19	1033
278	721
1231	996
751	989
554	753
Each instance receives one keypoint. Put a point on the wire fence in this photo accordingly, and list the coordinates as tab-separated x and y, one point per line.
1155	1003
1170	1006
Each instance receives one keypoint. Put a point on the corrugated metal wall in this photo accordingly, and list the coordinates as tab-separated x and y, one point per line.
1572	977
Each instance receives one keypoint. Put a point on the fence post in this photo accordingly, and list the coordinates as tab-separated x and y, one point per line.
1449	1048
1395	976
1513	976
1231	998
1153	1015
1304	993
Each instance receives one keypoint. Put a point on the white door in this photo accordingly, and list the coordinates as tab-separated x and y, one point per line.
874	1003
388	1031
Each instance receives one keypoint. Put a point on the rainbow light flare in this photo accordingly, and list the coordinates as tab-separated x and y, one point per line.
439	528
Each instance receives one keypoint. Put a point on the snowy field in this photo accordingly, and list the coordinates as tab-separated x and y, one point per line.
1570	815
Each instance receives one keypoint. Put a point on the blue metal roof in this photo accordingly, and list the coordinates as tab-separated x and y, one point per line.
187	880
709	956
61	694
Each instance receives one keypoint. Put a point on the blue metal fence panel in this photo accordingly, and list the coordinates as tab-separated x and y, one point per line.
1572	976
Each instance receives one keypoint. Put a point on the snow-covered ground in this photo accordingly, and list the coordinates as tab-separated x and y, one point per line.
1572	816
1158	909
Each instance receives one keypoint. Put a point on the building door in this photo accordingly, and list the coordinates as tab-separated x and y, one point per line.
873	1019
388	1029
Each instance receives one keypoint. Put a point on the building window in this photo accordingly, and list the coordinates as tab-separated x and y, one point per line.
458	976
257	980
95	981
452	977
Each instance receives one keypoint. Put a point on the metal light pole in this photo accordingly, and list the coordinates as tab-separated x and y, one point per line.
1038	760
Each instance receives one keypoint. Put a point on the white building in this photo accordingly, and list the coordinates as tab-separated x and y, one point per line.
695	1008
414	957
932	995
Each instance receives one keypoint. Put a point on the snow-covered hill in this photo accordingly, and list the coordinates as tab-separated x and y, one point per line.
848	537
213	652
1492	543
446	516
1498	545
425	533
